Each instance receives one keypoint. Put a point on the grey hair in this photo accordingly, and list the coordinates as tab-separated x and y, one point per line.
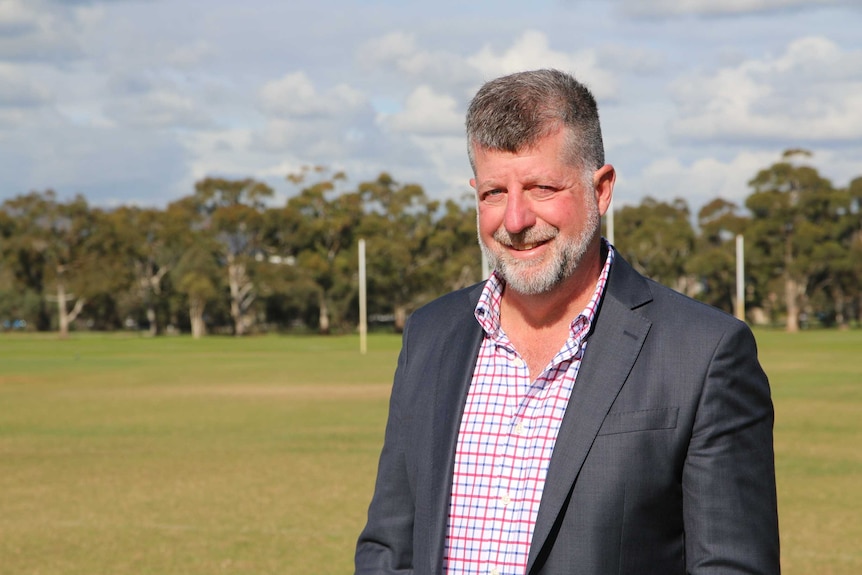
514	112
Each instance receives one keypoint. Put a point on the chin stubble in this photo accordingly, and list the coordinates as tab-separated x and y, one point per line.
539	276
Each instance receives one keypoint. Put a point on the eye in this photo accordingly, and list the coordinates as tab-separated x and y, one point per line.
542	191
493	196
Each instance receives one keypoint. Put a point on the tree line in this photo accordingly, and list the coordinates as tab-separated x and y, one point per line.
225	260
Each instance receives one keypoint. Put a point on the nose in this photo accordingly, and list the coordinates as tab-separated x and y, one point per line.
519	215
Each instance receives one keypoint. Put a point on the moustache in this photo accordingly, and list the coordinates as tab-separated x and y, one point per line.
526	237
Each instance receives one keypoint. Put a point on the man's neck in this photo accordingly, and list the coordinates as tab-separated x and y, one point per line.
558	306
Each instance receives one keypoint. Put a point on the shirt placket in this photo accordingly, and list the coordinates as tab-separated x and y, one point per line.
508	482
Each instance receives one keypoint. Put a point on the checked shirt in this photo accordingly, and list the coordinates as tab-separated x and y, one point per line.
505	442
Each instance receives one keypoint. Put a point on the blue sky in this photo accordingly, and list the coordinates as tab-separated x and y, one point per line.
132	101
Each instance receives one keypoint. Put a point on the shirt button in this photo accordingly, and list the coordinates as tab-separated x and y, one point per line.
505	500
494	571
520	429
519	362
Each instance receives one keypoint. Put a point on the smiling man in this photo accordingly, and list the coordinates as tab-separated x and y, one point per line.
568	415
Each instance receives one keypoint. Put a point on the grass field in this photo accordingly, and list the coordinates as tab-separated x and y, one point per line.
128	455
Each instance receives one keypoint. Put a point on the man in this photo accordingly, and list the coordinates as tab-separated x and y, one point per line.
568	416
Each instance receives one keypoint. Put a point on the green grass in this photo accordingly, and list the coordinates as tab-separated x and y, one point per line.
174	456
128	455
816	381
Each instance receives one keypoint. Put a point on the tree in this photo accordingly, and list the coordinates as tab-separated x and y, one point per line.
54	253
11	303
657	238
398	224
233	212
197	275
319	232
109	278
154	241
713	260
835	263
25	256
794	212
455	248
853	242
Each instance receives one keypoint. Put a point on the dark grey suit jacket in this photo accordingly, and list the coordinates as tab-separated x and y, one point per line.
663	464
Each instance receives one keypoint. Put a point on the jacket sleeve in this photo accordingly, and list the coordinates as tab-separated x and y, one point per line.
729	498
385	545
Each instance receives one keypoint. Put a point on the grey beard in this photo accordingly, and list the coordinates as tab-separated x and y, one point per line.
541	276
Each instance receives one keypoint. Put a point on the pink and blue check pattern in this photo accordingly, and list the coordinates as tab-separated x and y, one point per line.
505	442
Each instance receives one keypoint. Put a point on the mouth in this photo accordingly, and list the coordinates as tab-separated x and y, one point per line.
526	247
526	241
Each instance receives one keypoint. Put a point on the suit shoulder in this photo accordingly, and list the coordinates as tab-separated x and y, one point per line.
658	301
673	304
451	305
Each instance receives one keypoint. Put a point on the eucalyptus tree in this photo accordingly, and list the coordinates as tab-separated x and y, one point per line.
657	238
317	231
232	212
713	260
153	241
25	258
399	226
853	241
196	278
454	247
835	260
794	215
53	253
11	303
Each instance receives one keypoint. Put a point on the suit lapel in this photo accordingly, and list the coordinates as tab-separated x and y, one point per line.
612	349
456	361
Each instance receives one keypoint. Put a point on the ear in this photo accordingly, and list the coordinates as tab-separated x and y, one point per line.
603	184
473	183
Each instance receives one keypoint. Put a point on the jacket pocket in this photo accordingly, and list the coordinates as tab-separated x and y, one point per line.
643	420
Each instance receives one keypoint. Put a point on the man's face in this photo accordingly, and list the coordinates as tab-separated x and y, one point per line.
537	213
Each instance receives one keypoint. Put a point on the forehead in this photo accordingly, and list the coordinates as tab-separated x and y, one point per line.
556	145
547	158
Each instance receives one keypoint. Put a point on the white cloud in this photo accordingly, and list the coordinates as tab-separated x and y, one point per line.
154	88
427	113
448	158
708	178
159	108
812	92
704	179
399	52
302	125
294	95
324	137
151	99
221	151
447	80
305	125
531	51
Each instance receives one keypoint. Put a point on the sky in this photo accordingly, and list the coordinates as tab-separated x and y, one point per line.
133	101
